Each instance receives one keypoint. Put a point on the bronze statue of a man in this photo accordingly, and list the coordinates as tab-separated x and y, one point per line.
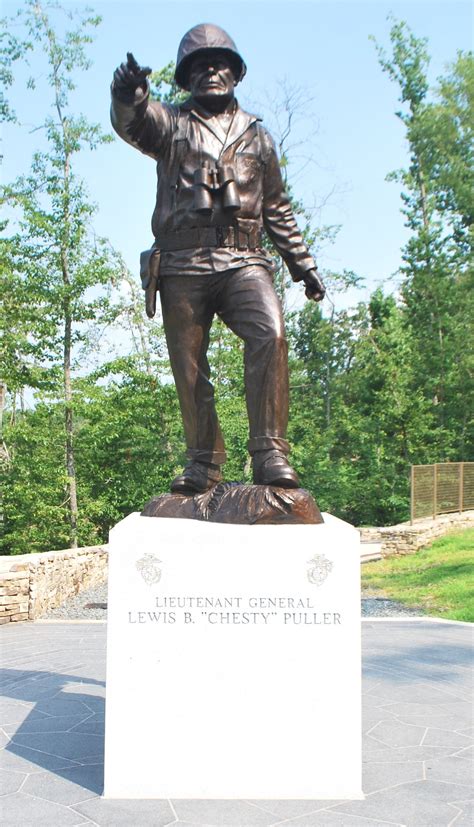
219	187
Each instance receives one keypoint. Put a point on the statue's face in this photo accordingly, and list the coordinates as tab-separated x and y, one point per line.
211	79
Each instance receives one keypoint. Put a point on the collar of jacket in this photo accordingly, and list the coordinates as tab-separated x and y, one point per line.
240	122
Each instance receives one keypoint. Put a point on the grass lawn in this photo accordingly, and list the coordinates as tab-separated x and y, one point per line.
438	580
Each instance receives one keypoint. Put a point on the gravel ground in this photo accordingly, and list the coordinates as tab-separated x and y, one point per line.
382	607
91	604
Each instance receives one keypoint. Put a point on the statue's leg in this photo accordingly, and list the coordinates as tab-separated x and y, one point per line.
187	316
249	305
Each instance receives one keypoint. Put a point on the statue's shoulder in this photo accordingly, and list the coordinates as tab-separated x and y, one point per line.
252	115
266	140
263	132
178	114
257	119
173	111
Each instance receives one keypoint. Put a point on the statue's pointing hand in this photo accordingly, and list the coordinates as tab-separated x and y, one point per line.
315	289
130	76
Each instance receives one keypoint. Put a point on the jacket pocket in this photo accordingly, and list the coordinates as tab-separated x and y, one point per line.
248	167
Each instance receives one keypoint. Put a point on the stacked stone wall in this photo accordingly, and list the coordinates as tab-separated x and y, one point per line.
407	539
30	584
14	593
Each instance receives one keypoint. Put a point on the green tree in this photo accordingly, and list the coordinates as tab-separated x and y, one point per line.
12	50
129	441
55	258
163	86
128	444
437	270
357	423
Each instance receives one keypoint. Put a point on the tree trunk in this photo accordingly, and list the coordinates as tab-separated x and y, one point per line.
440	395
4	454
71	487
3	449
3	391
423	197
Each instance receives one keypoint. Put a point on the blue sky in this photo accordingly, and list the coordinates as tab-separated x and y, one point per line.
350	137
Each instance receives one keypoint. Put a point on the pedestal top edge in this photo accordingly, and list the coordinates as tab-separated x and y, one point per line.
135	519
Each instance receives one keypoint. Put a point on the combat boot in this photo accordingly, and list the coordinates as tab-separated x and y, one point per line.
197	477
271	467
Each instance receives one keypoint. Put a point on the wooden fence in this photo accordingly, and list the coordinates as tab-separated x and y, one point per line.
442	488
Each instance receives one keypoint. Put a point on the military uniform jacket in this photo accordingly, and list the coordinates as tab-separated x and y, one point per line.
183	138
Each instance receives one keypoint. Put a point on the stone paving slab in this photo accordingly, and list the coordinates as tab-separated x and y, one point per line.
418	736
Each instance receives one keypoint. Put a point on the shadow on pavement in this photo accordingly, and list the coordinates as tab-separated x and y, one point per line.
56	723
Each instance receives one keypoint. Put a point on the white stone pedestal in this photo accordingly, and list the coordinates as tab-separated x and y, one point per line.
233	661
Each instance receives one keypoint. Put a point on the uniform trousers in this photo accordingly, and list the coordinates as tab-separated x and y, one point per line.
246	301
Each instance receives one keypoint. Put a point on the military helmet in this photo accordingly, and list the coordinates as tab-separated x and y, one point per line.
203	38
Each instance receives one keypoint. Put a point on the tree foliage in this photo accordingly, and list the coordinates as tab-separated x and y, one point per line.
438	275
51	259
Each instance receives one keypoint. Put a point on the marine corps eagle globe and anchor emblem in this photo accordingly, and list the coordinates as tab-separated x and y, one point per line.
319	569
149	569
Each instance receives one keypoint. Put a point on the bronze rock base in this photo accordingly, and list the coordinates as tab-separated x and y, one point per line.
231	502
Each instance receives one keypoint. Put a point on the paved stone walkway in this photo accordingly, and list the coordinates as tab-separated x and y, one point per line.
418	736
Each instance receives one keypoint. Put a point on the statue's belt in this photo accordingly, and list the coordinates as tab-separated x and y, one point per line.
195	237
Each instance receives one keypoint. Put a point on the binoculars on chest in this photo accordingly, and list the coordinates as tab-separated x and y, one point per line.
210	182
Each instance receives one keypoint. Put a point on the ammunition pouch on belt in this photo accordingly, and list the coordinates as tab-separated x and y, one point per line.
150	276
